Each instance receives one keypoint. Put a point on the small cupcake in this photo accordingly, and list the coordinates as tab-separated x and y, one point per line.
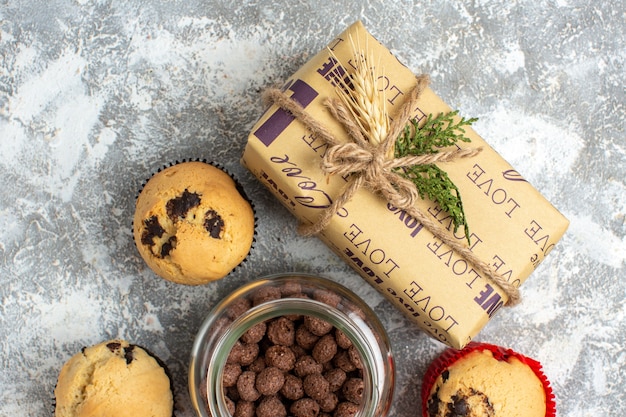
484	380
113	378
192	225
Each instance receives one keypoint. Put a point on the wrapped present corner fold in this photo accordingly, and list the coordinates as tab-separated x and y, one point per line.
513	227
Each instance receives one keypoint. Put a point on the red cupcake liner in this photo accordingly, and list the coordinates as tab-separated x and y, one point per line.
451	355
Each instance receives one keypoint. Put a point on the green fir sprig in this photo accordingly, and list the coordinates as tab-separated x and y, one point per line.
431	181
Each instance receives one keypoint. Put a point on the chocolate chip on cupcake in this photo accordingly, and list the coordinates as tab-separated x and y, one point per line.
192	225
113	378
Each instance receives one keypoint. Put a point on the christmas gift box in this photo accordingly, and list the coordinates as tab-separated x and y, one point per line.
369	159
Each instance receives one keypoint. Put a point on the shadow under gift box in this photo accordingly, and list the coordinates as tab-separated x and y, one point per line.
513	227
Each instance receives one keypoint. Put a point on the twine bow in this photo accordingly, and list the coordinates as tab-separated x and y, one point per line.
372	166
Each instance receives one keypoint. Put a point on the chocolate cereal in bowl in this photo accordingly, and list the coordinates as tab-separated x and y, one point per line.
291	345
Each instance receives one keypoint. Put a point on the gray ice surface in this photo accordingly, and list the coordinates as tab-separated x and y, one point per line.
95	95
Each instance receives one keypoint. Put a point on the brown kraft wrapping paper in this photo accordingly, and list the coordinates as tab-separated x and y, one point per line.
512	226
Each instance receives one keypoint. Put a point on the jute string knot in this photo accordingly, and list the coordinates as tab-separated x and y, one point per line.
372	165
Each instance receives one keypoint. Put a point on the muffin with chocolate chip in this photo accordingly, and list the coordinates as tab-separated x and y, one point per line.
113	378
484	380
192	225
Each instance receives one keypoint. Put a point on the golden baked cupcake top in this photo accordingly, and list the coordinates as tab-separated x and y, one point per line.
191	223
113	378
486	381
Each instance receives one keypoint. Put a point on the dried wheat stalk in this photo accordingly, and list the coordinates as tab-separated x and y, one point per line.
364	99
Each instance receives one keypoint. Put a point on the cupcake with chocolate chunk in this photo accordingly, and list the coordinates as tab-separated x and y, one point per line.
113	378
484	380
192	224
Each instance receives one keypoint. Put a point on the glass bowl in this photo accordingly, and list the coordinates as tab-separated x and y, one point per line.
290	294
